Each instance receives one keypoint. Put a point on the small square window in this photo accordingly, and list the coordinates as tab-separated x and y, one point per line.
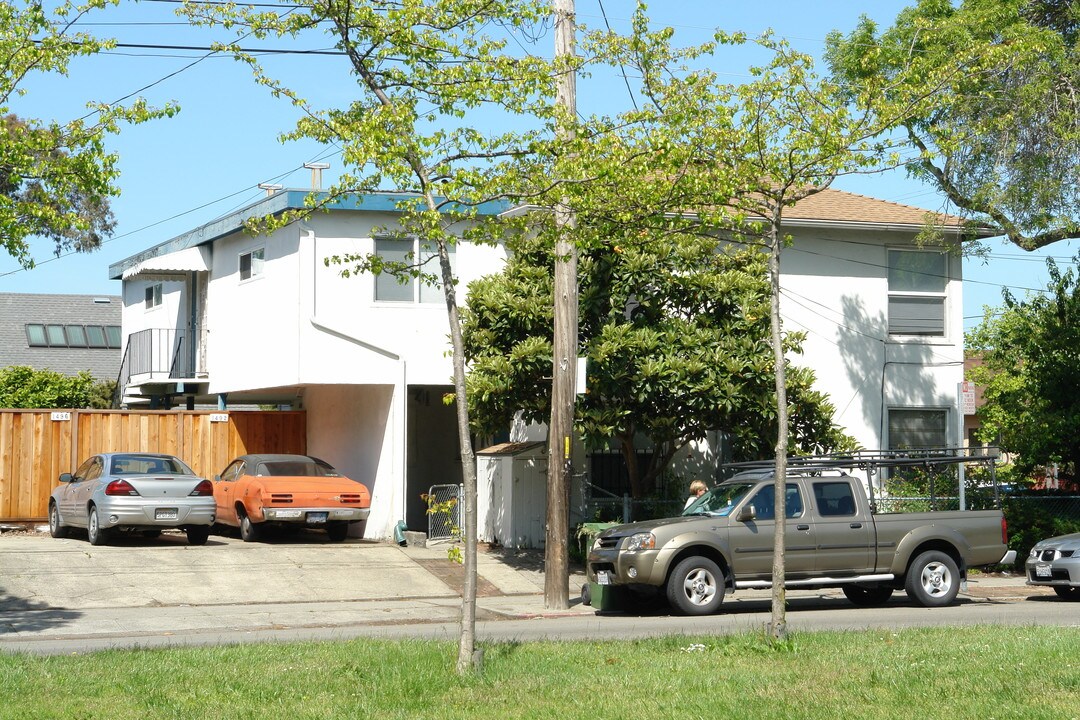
153	296
35	336
251	264
55	333
95	336
76	336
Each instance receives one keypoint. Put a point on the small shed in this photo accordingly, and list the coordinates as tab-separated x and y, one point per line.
511	500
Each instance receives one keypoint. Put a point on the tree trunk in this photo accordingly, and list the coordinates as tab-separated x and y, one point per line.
778	622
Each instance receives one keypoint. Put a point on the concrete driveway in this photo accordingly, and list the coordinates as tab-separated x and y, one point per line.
69	588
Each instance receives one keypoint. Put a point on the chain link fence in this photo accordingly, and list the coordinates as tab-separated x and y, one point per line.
445	525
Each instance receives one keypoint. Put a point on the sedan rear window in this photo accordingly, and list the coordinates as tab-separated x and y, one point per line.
297	468
143	465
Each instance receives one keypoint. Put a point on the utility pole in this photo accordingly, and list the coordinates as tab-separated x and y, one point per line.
564	360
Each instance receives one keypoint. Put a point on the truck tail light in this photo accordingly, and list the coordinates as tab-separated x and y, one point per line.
203	489
120	487
1004	531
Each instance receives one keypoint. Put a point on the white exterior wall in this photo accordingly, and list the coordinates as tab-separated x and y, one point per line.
835	288
171	314
252	325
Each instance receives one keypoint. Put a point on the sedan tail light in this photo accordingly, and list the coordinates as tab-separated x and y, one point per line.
120	487
204	488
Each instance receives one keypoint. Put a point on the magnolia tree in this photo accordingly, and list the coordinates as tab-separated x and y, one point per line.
424	79
56	178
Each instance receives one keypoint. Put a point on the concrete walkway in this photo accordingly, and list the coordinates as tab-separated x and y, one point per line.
139	592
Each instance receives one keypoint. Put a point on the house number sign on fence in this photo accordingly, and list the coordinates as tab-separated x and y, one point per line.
61	416
219	417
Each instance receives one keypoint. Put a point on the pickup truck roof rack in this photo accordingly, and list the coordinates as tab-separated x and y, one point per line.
871	461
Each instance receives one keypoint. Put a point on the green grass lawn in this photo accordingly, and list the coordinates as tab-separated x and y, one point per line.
988	673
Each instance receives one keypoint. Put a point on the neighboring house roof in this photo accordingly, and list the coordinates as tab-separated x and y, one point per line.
840	207
276	204
17	310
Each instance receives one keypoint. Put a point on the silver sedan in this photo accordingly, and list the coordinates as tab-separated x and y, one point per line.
139	492
1056	562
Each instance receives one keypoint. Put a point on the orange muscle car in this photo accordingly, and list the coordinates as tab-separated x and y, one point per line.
256	490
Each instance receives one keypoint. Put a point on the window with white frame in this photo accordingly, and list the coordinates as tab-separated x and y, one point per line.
251	263
153	296
911	428
412	252
917	283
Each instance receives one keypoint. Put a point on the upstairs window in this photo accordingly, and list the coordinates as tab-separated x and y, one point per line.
390	288
251	264
917	282
153	296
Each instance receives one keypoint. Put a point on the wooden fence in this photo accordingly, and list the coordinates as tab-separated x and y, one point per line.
37	445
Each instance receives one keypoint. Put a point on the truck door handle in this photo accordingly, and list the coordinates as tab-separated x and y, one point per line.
855	526
802	527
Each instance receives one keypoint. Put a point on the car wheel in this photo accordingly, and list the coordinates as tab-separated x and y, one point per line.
337	531
248	531
868	596
696	586
96	534
197	534
56	528
932	579
1067	592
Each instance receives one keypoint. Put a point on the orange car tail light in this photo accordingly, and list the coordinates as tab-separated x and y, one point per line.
350	498
284	498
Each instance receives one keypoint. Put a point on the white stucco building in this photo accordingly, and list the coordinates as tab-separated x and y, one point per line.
219	315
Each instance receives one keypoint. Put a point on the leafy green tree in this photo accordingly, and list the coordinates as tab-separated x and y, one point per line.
424	77
1030	352
55	178
676	333
25	387
1001	138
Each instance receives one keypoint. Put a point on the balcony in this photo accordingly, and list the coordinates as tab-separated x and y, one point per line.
159	365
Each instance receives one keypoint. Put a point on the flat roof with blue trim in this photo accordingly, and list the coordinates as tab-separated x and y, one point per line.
280	202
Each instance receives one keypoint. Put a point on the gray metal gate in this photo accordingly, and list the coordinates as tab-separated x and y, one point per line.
445	525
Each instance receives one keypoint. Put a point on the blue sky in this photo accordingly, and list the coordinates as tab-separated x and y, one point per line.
179	173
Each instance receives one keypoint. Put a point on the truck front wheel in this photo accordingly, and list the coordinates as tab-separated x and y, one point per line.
696	586
932	579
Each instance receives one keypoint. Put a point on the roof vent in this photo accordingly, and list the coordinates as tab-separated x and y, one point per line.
102	300
270	189
316	173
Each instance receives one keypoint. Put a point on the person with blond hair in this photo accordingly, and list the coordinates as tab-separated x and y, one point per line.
697	489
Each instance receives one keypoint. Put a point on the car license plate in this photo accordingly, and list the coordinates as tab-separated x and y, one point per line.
603	577
1043	571
165	514
317	517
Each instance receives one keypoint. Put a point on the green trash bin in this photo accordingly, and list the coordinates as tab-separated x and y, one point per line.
602	598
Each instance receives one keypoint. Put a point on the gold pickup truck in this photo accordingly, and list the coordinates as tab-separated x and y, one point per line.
724	541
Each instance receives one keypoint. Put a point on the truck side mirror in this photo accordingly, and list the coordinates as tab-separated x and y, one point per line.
746	514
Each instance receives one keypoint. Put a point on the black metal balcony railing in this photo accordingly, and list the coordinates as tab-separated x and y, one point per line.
156	354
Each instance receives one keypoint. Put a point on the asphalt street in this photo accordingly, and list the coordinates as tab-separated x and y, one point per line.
63	596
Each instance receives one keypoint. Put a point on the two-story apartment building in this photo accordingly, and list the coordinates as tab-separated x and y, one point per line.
218	315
